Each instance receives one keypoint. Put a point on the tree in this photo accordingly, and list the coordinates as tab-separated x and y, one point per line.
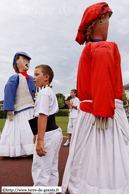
125	100
61	103
61	100
59	95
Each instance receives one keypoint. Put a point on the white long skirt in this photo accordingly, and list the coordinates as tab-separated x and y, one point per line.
17	137
98	161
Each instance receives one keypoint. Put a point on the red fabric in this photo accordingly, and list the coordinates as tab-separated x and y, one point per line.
25	74
88	106
99	78
92	13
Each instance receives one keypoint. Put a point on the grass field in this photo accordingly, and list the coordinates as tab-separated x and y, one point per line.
62	122
2	122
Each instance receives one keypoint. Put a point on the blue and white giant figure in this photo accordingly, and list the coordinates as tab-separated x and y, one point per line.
17	138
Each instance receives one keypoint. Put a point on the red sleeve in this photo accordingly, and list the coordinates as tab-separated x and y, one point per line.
118	75
103	82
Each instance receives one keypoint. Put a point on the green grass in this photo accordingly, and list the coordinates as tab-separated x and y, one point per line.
2	122
62	122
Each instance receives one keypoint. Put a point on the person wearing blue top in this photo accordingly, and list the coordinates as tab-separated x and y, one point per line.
17	138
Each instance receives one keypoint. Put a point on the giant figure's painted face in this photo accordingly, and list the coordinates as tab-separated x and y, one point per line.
23	63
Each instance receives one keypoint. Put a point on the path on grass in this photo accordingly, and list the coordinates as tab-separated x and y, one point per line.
17	172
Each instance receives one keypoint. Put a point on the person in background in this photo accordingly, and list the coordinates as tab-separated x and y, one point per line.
73	105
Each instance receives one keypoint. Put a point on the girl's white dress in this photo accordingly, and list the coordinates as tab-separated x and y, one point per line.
17	137
98	161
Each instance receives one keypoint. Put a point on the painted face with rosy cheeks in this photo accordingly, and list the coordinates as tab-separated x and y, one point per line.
104	23
100	30
40	80
23	64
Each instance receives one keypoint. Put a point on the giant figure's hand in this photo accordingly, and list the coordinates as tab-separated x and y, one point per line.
10	115
103	122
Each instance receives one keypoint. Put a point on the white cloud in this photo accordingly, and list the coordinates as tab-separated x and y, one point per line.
46	30
57	82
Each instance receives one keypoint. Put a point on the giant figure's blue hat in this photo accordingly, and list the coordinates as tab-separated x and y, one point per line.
20	53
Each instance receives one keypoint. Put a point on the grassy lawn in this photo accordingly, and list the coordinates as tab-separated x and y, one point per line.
62	122
2	122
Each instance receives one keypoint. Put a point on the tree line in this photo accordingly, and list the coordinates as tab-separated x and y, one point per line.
61	100
125	99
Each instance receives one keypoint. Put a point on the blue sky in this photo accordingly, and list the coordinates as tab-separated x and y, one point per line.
46	30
